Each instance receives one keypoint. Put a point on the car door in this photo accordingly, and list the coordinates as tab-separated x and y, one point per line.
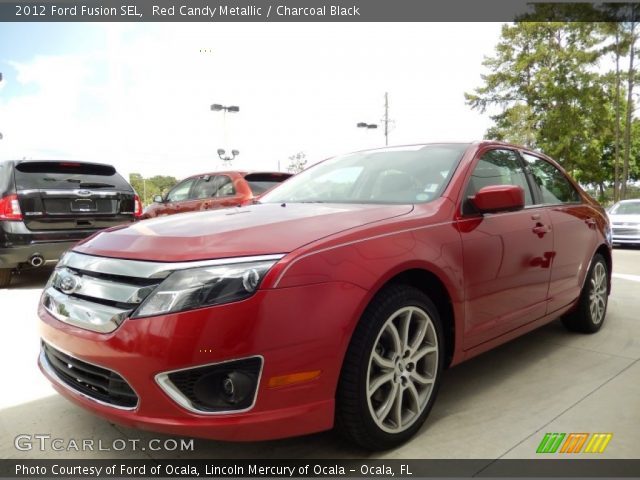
506	255
204	192
574	227
227	194
179	198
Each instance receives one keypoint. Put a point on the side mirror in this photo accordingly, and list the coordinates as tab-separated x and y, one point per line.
158	199
498	198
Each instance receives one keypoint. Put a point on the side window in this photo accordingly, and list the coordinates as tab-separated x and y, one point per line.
181	191
205	187
497	167
225	186
552	183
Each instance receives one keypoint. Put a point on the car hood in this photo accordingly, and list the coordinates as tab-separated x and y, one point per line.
624	218
254	230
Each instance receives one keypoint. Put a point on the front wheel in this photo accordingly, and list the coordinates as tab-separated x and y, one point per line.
591	309
392	369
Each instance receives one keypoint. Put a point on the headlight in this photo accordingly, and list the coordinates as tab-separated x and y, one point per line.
204	286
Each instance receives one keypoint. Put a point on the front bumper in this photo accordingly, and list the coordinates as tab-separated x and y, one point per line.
292	329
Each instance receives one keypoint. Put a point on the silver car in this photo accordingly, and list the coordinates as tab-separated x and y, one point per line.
625	221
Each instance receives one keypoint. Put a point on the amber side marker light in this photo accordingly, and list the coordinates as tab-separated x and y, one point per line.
293	378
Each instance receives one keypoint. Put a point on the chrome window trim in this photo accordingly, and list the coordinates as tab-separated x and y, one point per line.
167	386
145	268
52	373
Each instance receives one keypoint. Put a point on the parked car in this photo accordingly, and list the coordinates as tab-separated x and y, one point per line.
214	190
625	222
47	206
338	300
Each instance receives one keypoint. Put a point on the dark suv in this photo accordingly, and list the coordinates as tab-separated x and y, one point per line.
47	206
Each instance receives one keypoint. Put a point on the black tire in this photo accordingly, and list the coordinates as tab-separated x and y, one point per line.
5	277
354	418
583	319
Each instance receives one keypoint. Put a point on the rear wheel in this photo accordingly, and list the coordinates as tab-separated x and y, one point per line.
5	277
590	312
392	369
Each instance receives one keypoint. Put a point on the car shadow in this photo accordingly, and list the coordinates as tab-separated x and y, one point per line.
31	278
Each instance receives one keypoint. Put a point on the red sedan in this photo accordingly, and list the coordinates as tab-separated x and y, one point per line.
338	300
214	190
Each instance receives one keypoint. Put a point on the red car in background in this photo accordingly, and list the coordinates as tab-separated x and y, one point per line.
337	300
210	191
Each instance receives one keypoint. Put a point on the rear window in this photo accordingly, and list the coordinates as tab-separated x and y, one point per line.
67	175
261	182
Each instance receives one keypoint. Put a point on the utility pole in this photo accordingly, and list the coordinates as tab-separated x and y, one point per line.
1	137
386	118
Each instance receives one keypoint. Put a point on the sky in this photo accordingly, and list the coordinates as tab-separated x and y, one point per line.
138	96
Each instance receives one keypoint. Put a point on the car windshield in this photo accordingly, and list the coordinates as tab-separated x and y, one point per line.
631	208
414	174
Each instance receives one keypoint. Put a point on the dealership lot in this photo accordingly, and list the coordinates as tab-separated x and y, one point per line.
498	405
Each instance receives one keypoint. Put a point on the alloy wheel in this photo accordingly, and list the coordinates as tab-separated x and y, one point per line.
598	293
402	369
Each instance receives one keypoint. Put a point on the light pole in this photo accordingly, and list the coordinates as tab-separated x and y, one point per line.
226	158
216	107
367	126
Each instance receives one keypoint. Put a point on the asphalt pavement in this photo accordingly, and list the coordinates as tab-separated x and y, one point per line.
498	405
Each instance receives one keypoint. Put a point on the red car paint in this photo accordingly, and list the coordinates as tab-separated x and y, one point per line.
504	274
242	189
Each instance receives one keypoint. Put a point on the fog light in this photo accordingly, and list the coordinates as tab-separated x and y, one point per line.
236	386
226	386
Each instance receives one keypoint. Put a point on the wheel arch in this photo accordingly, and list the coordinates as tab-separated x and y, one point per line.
425	280
605	251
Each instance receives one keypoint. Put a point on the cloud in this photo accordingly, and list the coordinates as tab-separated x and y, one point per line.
140	97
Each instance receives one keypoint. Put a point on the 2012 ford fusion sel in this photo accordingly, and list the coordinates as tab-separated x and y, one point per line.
336	301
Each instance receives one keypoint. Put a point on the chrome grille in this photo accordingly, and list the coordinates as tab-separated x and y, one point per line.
99	293
83	291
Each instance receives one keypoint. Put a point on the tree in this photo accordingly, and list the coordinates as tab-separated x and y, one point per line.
297	162
148	188
549	95
631	74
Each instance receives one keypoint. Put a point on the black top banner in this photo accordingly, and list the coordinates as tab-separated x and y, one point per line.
312	11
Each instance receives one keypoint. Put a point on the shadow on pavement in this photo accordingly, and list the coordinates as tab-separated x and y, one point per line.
32	278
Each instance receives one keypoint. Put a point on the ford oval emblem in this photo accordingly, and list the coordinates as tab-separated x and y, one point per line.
83	193
69	284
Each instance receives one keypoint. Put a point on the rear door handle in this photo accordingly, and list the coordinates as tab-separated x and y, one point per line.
541	229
